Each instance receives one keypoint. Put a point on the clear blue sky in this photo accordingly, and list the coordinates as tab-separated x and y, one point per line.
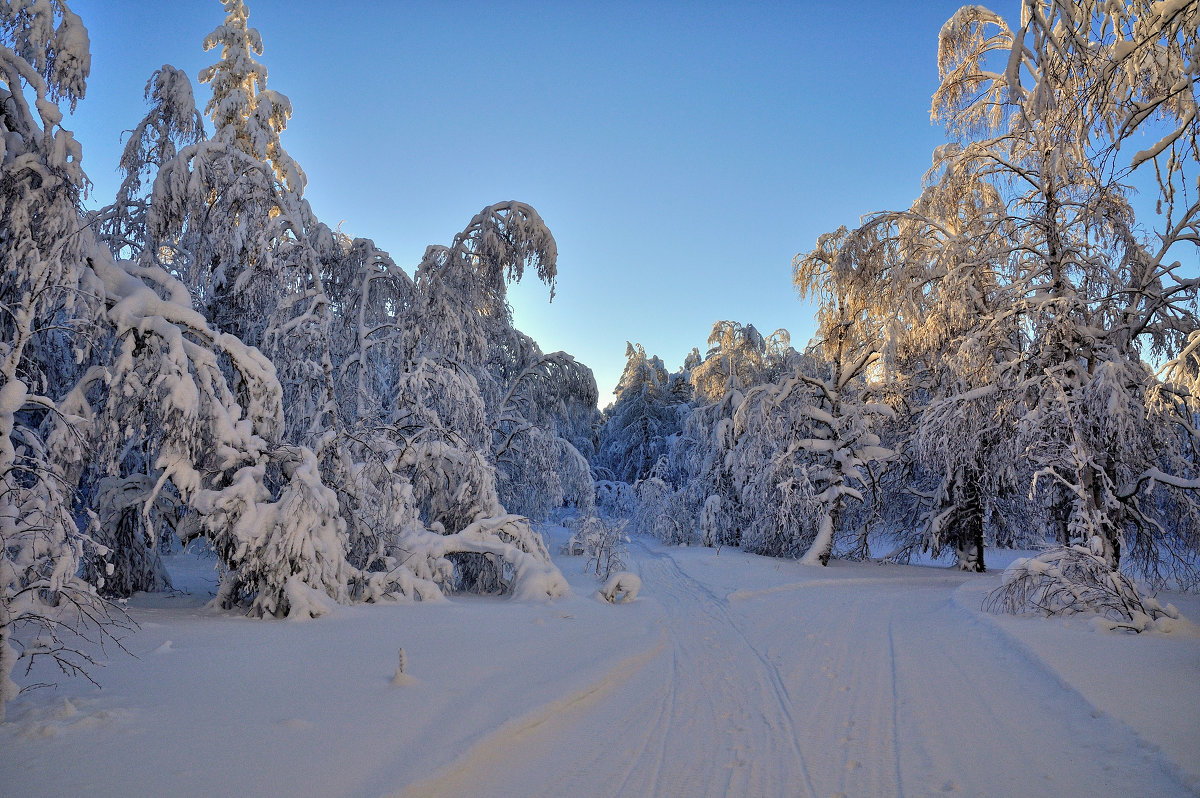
681	152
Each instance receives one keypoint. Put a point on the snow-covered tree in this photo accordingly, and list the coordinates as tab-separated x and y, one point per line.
1092	295
432	431
171	123
842	442
120	480
767	491
539	468
51	299
1015	303
738	358
601	543
711	495
638	426
227	212
227	229
933	286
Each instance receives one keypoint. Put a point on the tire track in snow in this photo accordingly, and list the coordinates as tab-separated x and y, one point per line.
843	690
902	691
853	581
951	708
651	739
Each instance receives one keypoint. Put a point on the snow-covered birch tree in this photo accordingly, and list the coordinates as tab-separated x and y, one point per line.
1094	297
842	442
172	122
51	300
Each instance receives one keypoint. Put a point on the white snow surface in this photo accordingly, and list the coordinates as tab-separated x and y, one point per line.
731	674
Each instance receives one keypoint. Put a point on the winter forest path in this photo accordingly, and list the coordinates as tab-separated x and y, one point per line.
842	684
730	675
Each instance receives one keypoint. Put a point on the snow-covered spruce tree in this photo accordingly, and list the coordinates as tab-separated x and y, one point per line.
279	276
438	405
405	442
1092	296
639	425
51	300
224	208
227	216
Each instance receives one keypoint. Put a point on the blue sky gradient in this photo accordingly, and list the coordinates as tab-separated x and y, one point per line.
682	153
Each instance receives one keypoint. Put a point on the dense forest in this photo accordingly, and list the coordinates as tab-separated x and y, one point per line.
1011	360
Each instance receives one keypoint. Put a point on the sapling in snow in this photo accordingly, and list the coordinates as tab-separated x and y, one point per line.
600	542
401	678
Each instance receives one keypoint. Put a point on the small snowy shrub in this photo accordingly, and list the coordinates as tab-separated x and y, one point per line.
600	542
621	587
1065	580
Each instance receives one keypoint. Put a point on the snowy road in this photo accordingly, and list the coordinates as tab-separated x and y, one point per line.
844	686
731	675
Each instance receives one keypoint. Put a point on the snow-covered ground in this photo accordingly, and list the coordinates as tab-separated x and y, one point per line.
729	675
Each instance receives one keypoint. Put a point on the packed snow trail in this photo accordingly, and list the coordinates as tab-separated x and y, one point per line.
838	685
702	715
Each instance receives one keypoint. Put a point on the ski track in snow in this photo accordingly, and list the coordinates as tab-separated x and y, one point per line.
730	675
704	714
838	693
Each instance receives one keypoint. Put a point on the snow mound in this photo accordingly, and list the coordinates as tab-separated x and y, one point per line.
621	587
305	601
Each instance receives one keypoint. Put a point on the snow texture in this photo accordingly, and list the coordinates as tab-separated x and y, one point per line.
731	674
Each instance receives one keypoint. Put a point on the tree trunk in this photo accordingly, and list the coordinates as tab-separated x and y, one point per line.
969	524
822	548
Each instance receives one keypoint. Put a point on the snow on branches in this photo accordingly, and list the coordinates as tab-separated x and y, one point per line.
205	358
1066	580
52	300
